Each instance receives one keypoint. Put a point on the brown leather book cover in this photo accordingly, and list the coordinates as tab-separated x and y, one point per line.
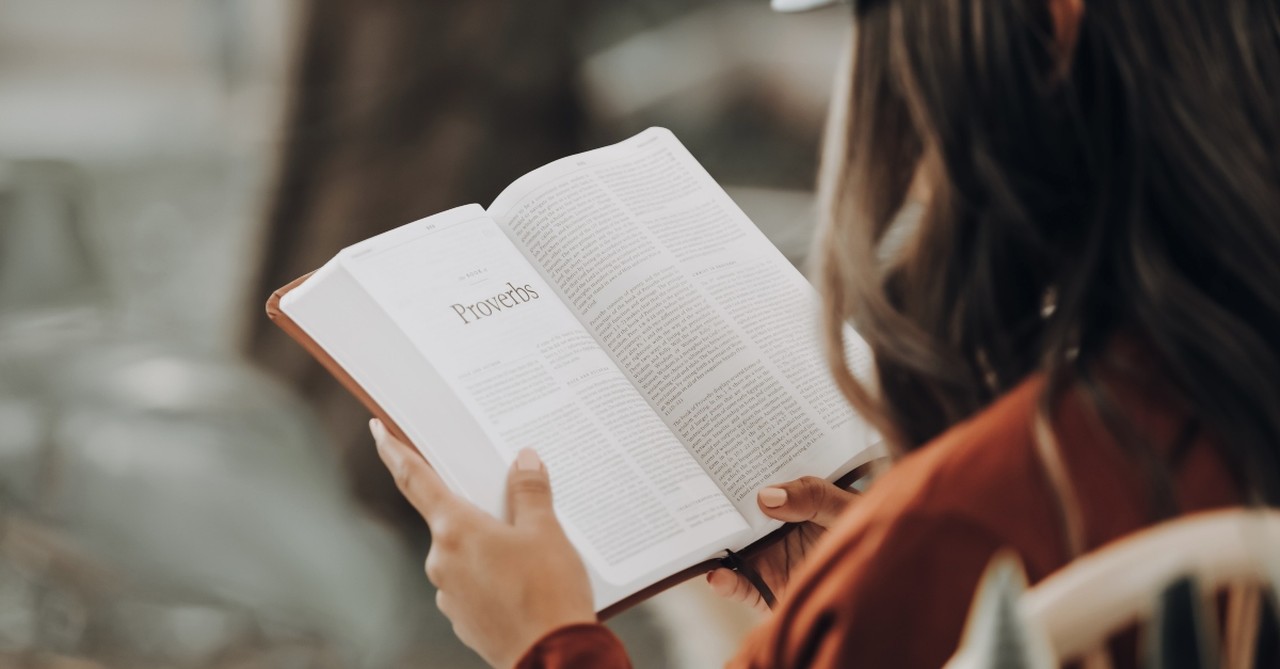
297	334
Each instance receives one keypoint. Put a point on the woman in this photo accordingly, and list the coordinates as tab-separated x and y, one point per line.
1079	338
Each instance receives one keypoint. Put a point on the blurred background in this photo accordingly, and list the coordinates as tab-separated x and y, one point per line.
180	486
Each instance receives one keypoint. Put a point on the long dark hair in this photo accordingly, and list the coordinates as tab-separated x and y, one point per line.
1130	184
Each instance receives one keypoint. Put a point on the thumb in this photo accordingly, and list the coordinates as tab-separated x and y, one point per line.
528	490
807	499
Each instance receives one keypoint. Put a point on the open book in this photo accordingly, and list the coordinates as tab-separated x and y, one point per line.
617	312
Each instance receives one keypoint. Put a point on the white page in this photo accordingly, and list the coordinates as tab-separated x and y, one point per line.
632	500
708	319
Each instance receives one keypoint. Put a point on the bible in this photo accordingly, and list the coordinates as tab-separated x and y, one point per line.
618	313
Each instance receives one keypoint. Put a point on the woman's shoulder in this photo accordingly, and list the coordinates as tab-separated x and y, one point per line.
983	475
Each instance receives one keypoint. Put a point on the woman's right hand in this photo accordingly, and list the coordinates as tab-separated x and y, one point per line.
810	501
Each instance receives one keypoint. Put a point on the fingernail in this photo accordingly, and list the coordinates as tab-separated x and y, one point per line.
527	460
773	497
391	457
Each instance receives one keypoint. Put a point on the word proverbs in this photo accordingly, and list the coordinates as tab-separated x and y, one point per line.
515	297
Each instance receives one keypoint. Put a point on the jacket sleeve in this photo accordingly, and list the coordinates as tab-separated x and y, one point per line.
581	645
893	598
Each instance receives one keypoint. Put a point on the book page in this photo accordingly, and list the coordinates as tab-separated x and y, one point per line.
712	324
629	495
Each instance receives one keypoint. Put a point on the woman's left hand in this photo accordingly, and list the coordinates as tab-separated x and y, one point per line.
503	584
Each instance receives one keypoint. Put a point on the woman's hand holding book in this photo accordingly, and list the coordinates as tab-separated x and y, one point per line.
811	502
504	584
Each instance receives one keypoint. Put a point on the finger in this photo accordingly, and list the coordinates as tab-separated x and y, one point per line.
723	582
444	603
434	569
417	481
528	491
807	499
735	587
